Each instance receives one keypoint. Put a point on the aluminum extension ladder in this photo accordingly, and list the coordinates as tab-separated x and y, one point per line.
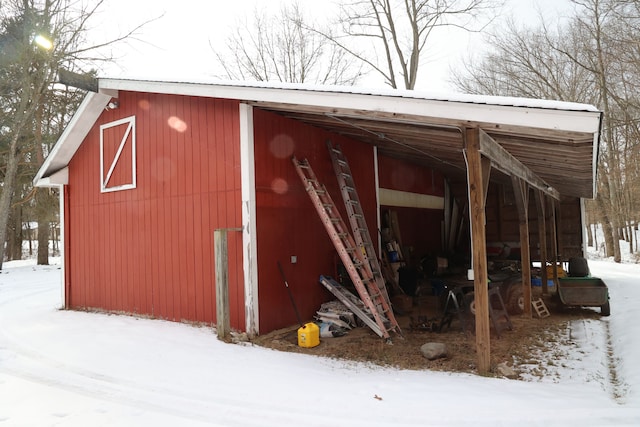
353	256
357	220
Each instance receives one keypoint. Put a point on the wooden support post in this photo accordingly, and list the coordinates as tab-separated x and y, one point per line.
476	188
447	218
560	237
521	190
542	238
223	326
554	238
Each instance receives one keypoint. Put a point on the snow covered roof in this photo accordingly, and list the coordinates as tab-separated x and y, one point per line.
556	140
131	82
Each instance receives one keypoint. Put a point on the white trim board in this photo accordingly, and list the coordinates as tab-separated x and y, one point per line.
409	200
249	238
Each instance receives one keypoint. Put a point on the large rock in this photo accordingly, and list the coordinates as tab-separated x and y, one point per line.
434	350
503	369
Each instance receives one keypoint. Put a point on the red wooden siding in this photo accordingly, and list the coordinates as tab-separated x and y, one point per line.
419	228
398	175
150	250
287	222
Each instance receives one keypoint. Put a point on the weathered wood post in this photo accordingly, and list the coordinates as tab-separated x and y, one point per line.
477	174
521	190
554	238
542	233
223	326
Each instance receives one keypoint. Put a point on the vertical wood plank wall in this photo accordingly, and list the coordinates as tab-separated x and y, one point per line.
287	222
503	225
150	250
420	228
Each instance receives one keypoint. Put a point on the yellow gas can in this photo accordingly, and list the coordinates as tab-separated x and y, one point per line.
309	335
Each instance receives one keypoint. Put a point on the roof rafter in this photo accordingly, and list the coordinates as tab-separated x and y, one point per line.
501	159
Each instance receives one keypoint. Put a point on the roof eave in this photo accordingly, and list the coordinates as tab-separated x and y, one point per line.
81	123
505	115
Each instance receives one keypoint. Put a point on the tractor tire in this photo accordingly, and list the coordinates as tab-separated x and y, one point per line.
578	267
515	299
471	297
472	303
605	310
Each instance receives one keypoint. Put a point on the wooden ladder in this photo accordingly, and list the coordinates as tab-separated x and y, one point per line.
540	308
353	256
498	314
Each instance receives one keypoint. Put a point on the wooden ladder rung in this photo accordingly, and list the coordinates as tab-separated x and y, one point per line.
540	308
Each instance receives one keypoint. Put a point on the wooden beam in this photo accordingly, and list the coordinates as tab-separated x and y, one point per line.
542	238
521	190
554	238
477	217
486	175
504	161
447	217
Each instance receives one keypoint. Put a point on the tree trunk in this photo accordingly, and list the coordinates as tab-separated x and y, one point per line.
7	195
43	242
14	235
43	214
608	239
615	235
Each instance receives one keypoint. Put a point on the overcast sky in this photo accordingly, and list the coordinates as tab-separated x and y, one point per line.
178	42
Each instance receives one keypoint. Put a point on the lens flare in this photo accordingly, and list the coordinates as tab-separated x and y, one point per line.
279	186
177	124
282	146
43	42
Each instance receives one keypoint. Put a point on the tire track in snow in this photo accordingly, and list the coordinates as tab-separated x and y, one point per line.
31	364
619	388
206	409
594	338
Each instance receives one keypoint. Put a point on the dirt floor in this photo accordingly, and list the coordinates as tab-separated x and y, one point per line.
362	344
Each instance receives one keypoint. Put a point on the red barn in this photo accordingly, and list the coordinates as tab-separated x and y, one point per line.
149	170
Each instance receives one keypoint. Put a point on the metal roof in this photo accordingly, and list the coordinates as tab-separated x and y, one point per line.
557	141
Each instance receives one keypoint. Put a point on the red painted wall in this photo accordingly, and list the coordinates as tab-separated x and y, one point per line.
403	176
150	250
287	222
419	228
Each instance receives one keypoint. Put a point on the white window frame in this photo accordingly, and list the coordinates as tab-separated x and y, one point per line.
130	130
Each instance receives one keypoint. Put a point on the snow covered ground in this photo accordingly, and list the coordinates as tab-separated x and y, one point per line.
65	368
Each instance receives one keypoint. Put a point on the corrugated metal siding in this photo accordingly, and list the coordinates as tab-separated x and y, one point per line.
287	222
150	250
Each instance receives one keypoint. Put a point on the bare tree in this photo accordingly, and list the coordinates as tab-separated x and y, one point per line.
390	36
591	59
523	63
37	38
281	47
